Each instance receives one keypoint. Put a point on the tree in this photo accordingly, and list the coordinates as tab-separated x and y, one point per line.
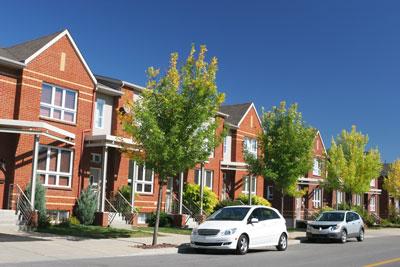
87	205
351	167
392	181
40	201
174	124
286	149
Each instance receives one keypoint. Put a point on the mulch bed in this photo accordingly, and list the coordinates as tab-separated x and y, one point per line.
163	245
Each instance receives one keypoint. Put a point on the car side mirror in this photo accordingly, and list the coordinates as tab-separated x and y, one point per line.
253	220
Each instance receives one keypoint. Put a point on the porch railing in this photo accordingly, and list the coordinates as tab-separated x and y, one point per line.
18	201
124	207
111	210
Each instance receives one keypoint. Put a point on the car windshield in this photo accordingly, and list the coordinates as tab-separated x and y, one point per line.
229	214
331	217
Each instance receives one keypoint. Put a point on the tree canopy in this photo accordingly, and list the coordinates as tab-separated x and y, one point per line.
351	167
392	181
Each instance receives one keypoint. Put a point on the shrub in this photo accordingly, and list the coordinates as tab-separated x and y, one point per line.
74	220
40	202
87	205
394	215
125	190
255	200
165	220
191	198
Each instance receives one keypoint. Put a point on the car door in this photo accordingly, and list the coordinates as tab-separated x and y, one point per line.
272	224
358	223
255	230
351	225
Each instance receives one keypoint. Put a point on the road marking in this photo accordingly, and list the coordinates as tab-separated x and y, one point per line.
383	262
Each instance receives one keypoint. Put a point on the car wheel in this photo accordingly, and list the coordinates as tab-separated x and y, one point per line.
360	237
242	245
283	242
343	236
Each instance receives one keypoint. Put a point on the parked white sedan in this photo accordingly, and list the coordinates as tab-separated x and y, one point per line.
241	228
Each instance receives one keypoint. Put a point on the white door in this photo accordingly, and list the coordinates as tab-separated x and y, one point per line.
272	224
256	230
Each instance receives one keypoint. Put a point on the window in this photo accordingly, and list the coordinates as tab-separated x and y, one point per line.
99	115
270	192
317	198
55	166
358	200
350	217
145	180
225	144
246	184
209	174
250	145
95	158
58	103
372	183
267	214
372	203
317	167
340	197
142	217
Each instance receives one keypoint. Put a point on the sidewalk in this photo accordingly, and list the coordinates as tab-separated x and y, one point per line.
18	247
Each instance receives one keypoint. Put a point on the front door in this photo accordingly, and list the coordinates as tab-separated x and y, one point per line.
95	176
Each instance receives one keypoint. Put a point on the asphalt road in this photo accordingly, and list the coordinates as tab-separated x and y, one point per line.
353	253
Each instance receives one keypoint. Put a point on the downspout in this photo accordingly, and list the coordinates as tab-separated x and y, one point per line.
83	139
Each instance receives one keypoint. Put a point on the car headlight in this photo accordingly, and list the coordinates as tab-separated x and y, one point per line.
335	227
194	231
229	231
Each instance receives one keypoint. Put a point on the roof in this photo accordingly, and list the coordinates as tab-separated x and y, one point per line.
385	169
116	83
21	52
235	112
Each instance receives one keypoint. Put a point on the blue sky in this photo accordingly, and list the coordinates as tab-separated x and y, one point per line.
339	60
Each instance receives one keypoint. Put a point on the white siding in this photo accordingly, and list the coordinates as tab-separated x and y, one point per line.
107	113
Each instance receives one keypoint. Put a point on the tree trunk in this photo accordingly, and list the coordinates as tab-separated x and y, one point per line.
159	201
282	202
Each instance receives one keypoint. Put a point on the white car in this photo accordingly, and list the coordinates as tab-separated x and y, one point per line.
241	228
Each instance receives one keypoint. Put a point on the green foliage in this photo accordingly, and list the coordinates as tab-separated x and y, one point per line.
87	205
40	202
74	220
392	181
255	200
350	167
125	190
165	220
286	148
394	215
191	196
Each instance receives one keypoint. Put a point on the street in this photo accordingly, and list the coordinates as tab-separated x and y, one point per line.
382	251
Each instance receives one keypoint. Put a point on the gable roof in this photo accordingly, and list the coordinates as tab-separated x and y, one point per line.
237	112
28	51
22	52
322	141
117	83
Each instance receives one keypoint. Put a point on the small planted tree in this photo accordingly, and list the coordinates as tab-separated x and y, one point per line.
351	167
87	205
286	149
392	181
174	124
40	201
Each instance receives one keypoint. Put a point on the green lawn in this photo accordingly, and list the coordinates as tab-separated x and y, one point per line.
167	230
90	231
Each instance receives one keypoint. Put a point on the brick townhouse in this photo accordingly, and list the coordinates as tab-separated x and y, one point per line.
59	127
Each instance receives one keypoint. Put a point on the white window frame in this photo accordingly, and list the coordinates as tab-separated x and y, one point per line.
358	200
317	198
245	187
317	167
95	158
142	217
143	182
340	197
57	173
62	108
197	180
372	183
99	118
250	145
270	192
372	203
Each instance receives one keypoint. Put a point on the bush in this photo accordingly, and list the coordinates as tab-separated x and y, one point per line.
394	215
255	200
74	221
40	202
191	198
125	190
165	220
87	205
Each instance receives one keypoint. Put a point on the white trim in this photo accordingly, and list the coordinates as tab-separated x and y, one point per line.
36	124
143	182
108	90
133	86
53	41
245	114
13	62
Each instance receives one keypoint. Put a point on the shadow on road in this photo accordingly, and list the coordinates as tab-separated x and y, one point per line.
18	238
186	249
